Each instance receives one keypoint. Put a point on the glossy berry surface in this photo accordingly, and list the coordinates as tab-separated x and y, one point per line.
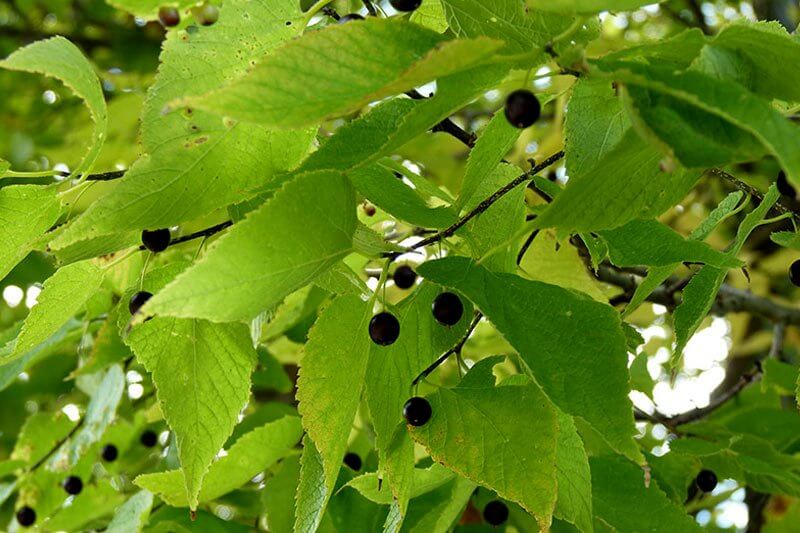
349	18
794	273
447	309
384	329
404	277
417	411
495	513
109	453
157	240
208	15
353	461
73	485
405	5
706	480
26	516
148	439
169	16
138	300
784	187
522	109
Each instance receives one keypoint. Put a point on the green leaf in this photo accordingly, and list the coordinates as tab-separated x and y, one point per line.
331	374
658	275
548	262
617	484
59	58
492	146
624	184
477	426
384	189
507	21
277	249
574	503
312	492
497	225
702	289
27	211
132	515
586	6
250	455
278	495
737	107
430	15
641	379
194	161
572	346
737	53
148	9
99	414
595	124
303	85
201	372
440	509
392	124
64	294
787	239
425	480
651	243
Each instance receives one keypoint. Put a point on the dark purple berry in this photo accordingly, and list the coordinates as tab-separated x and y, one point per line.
495	513
169	16
138	300
148	439
522	108
73	485
784	187
405	5
109	453
706	480
349	18
404	277
384	329
353	461
794	273
448	309
417	411
26	516
156	241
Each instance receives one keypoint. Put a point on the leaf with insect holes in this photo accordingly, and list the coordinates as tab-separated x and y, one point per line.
385	57
194	161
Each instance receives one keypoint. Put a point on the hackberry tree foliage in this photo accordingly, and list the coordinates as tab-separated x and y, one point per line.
399	265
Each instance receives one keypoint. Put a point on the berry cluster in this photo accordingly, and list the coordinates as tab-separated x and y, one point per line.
73	485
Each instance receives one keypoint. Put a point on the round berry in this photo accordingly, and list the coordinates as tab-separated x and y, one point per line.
26	516
208	14
169	16
784	187
404	277
522	109
448	309
138	300
794	273
405	5
495	513
384	329
369	209
706	480
353	461
109	453
417	411
349	18
72	485
148	439
156	241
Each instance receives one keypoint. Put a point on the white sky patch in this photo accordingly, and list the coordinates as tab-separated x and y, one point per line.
72	412
32	296
13	295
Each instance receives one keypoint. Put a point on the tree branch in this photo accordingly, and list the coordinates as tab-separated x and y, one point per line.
456	349
447	125
778	208
207	232
488	202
